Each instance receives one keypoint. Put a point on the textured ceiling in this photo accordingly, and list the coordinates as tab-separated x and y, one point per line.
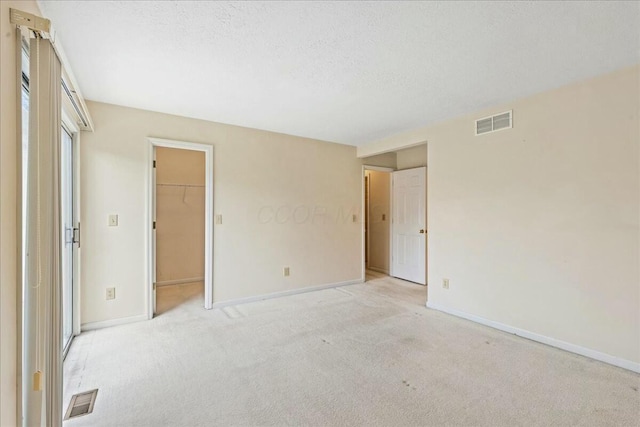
348	72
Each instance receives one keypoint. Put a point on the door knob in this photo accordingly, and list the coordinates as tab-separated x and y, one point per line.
422	231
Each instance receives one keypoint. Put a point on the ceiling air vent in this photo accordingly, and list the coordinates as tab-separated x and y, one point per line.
494	123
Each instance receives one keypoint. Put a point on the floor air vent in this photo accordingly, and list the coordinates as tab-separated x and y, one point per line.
81	404
494	123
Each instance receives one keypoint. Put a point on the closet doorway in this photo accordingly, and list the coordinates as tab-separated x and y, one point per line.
181	225
377	221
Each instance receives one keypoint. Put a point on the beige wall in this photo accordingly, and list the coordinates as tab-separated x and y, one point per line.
537	227
379	220
176	166
284	201
413	157
9	287
386	160
180	211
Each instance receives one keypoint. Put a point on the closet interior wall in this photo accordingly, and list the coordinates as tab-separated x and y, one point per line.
378	201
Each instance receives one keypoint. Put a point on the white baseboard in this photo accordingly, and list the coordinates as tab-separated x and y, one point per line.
563	345
180	281
113	322
283	293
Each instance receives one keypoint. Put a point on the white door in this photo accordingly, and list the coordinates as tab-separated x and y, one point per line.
410	225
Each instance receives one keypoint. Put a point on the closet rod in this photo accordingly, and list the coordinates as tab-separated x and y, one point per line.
180	185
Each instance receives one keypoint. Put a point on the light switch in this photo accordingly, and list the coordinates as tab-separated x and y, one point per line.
113	220
218	219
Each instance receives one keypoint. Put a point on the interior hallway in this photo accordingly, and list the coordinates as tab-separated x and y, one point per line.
366	354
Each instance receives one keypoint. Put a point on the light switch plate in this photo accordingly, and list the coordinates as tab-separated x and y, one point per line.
113	220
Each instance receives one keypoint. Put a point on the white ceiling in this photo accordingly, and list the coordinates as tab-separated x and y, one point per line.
348	72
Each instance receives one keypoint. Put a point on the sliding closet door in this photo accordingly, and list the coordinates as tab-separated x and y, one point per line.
66	194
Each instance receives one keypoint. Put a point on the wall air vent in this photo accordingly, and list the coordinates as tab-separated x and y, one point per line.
494	123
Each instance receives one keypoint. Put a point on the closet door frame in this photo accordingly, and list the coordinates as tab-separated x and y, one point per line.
150	219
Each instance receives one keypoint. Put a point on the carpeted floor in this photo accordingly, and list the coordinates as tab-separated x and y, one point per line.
171	297
368	354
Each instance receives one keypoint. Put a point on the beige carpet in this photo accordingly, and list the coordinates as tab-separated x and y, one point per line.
368	354
173	296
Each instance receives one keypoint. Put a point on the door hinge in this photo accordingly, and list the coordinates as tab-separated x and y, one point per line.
154	225
76	235
154	286
154	163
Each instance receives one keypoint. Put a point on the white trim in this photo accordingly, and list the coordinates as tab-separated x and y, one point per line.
77	215
553	342
285	293
47	31
363	207
68	76
74	131
391	200
154	244
180	281
378	168
67	121
208	222
367	219
92	326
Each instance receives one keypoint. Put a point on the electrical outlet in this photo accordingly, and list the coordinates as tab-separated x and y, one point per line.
111	293
286	272
113	220
445	283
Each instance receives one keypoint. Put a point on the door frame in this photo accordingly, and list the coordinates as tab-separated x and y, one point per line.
73	129
364	224
208	218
